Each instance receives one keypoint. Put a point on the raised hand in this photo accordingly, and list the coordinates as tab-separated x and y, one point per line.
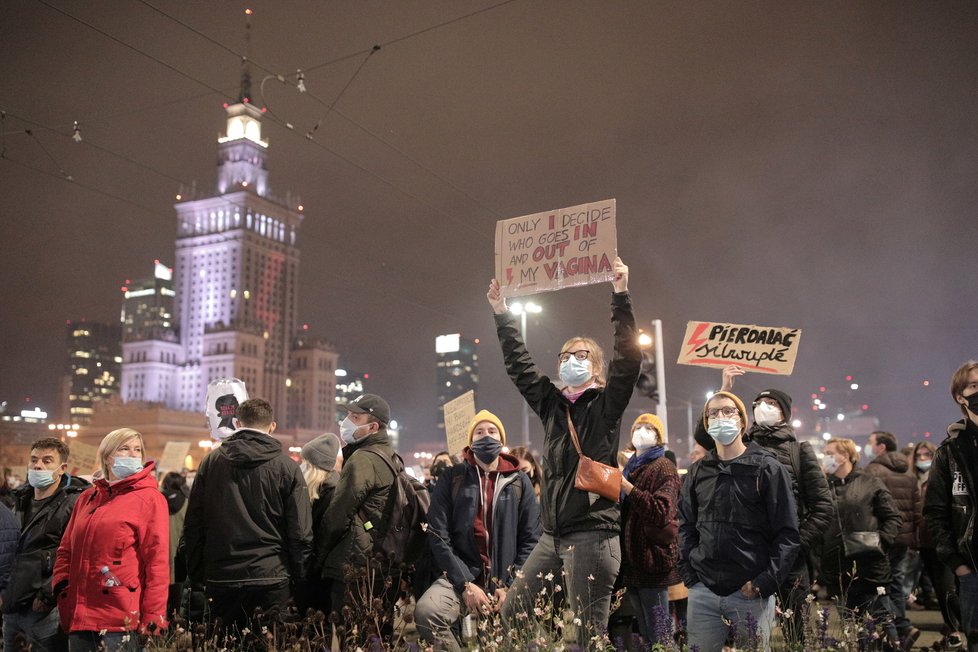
496	300
620	280
730	374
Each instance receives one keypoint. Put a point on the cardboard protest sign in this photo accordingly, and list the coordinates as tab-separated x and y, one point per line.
556	249
755	348
458	412
82	458
174	456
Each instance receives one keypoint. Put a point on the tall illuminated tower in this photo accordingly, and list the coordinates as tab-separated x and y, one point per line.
235	277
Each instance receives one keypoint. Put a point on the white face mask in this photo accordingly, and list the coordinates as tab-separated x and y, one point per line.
830	465
644	437
766	414
348	430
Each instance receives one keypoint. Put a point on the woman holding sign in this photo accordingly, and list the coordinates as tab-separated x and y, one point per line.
579	545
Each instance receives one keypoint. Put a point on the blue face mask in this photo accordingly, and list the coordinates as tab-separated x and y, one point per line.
574	372
123	467
723	430
923	465
870	453
40	478
486	449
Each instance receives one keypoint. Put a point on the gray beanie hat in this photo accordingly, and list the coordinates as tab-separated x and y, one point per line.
321	452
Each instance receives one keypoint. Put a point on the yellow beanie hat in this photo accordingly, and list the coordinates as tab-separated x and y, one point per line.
653	421
486	415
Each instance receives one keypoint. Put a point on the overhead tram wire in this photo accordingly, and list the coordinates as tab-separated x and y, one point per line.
306	235
409	36
133	48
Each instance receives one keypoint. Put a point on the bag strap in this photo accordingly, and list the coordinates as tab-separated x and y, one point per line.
573	432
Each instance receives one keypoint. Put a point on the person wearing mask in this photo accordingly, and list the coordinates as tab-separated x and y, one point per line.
345	535
650	531
738	528
863	504
580	530
891	466
950	504
483	522
773	431
439	463
248	529
319	471
112	569
941	577
529	465
43	507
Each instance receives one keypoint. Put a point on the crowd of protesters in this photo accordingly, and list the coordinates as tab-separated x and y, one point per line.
735	547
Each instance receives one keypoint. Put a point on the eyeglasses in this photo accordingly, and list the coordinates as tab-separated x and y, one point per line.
580	355
712	413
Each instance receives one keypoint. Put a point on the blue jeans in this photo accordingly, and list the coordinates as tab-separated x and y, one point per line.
108	642
42	630
864	598
654	617
898	597
968	597
590	560
749	618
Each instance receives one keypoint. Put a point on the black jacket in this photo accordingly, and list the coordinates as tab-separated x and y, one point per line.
892	468
811	491
361	496
248	517
950	504
40	535
738	523
515	524
863	504
597	418
9	532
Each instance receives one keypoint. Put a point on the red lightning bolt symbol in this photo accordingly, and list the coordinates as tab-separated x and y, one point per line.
696	338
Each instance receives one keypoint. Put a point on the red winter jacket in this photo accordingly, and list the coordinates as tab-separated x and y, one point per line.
125	526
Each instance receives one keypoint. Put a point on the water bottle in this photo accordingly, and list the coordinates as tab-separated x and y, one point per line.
110	578
470	632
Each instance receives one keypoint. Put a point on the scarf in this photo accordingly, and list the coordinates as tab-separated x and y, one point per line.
637	460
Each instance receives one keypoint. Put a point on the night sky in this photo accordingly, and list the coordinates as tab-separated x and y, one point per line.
810	165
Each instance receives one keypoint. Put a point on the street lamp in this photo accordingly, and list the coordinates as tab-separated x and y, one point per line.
522	309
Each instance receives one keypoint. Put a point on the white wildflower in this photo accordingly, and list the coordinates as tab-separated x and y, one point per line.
881	590
549	577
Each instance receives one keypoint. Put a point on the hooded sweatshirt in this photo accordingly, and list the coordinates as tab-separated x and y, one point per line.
248	517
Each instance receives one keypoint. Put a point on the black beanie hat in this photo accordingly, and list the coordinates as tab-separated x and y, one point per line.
784	401
321	452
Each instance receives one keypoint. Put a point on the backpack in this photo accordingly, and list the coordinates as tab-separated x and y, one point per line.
402	538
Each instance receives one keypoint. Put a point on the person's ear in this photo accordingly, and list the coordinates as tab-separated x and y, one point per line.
271	427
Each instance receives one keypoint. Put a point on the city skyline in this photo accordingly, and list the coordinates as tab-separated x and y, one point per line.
794	165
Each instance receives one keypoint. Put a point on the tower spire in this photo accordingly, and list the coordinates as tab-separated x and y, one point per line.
245	95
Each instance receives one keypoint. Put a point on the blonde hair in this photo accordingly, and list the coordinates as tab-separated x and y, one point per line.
847	447
111	443
596	356
314	477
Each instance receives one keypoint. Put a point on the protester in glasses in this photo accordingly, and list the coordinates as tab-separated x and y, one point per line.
773	431
580	530
858	577
483	521
113	566
738	530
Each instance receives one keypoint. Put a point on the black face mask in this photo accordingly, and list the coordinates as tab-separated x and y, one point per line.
487	449
972	403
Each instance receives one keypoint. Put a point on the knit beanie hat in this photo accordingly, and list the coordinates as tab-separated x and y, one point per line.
486	415
784	401
737	402
321	451
652	421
